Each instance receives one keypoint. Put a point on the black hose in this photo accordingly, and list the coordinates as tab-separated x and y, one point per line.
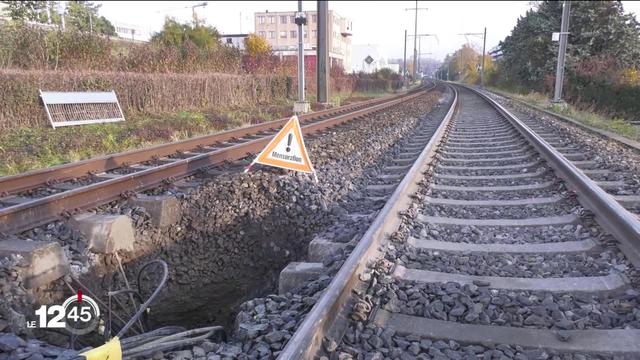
93	296
163	331
151	298
171	342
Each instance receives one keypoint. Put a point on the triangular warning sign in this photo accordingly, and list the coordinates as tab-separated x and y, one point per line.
286	150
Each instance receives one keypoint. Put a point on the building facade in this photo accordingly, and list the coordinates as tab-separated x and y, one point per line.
131	32
281	31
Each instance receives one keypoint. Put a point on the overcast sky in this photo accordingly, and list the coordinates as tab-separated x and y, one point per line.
374	22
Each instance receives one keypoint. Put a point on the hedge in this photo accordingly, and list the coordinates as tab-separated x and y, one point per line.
20	105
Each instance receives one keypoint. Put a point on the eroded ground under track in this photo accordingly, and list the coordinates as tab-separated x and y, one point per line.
237	231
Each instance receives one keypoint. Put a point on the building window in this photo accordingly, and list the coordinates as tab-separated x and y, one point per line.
314	33
261	19
305	34
293	19
283	34
283	19
314	18
272	34
294	34
229	41
272	19
261	33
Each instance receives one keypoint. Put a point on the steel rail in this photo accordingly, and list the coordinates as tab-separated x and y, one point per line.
331	307
635	145
36	178
46	209
623	225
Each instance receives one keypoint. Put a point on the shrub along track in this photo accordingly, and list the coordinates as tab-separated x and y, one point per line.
486	253
41	196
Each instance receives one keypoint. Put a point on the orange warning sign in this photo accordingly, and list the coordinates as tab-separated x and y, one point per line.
286	150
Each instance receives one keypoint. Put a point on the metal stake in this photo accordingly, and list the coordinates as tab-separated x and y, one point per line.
564	35
300	57
322	69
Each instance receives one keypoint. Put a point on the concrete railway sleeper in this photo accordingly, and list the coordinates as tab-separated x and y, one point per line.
469	248
511	256
358	161
611	158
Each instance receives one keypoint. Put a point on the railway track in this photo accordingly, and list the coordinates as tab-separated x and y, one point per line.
38	197
617	178
494	245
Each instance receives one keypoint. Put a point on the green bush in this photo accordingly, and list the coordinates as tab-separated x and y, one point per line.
603	95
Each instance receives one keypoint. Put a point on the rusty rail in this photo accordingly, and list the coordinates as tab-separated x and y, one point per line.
36	178
46	209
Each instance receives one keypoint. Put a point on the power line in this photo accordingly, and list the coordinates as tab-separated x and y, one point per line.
415	39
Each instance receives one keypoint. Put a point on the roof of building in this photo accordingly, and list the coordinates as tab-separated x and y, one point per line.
234	35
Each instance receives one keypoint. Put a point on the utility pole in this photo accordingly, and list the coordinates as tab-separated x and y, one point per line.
419	53
484	45
564	35
415	51
300	106
415	39
404	62
420	36
322	68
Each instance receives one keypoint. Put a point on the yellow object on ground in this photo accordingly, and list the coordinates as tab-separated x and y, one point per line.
109	351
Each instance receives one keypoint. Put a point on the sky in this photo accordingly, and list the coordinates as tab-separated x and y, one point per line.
374	22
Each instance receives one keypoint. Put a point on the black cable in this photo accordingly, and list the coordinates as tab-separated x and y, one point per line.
151	298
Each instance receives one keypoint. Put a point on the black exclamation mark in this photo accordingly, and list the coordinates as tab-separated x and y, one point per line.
289	142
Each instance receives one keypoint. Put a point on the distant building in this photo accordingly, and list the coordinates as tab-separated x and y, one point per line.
496	53
281	31
367	58
235	40
131	32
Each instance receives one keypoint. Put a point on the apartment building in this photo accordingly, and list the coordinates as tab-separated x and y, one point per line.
280	29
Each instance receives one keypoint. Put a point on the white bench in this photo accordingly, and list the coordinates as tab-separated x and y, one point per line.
80	108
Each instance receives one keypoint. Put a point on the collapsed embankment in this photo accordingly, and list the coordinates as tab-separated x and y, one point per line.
236	232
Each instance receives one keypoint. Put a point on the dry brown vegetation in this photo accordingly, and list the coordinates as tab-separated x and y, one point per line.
20	105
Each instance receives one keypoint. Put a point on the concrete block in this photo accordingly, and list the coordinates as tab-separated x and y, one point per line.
45	261
301	107
163	209
105	234
296	274
319	248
